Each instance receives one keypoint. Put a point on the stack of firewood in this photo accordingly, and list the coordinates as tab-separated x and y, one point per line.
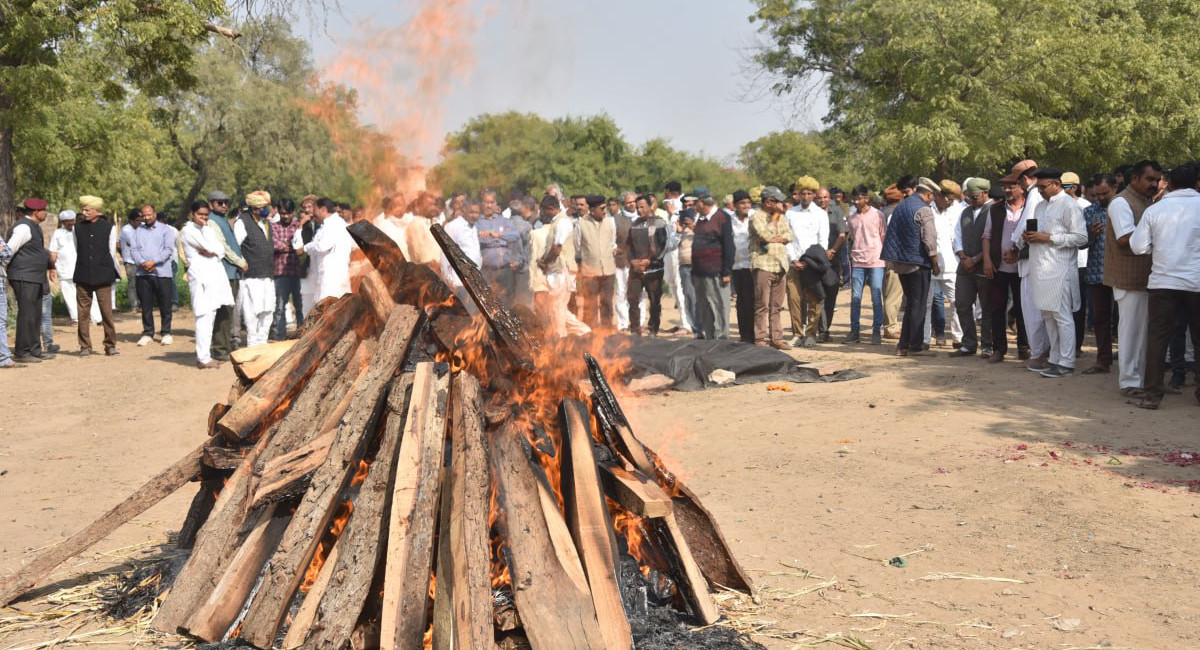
375	484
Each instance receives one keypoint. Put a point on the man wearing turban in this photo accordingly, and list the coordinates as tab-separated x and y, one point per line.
96	270
256	292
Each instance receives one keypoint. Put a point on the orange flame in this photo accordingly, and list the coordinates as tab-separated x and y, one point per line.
361	474
335	530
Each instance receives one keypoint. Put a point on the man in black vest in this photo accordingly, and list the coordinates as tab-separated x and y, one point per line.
27	275
971	282
96	267
256	293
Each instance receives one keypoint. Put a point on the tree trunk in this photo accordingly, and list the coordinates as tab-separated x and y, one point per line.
8	188
194	191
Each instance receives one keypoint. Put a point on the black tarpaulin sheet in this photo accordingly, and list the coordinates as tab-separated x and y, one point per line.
689	362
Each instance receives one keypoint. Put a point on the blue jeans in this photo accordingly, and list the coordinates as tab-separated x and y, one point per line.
5	353
874	278
47	320
286	286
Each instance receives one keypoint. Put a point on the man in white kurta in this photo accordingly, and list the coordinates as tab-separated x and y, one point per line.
1053	268
551	245
1169	231
203	249
330	251
1128	274
462	230
948	207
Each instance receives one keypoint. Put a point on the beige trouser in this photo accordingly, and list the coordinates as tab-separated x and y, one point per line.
892	296
797	294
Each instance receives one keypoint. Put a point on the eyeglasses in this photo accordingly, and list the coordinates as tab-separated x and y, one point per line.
221	202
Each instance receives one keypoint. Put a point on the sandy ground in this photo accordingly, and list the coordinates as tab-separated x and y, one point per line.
1031	513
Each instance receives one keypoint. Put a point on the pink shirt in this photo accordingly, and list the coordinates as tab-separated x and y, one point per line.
867	230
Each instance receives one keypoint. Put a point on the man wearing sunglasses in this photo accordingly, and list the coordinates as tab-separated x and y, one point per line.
235	264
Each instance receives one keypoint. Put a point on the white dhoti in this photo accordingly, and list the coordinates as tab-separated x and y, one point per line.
671	275
562	321
620	303
256	301
1134	308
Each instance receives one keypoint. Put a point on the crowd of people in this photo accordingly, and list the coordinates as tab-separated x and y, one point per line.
1039	252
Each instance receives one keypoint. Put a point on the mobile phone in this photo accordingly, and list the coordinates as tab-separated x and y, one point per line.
1031	225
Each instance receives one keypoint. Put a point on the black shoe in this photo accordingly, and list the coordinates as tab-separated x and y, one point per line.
29	358
85	353
220	357
52	348
824	338
1177	380
853	337
111	352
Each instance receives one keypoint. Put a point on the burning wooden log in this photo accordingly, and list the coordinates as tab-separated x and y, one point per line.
218	541
316	509
591	527
696	523
462	616
518	347
410	284
364	540
279	383
414	510
542	557
251	363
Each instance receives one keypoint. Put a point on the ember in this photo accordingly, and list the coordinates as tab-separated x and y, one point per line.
485	499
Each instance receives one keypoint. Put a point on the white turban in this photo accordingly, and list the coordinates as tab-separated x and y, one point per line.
66	215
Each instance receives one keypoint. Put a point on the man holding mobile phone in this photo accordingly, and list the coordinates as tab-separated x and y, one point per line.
1054	235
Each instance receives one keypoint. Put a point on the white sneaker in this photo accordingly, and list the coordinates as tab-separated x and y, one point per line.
167	339
145	340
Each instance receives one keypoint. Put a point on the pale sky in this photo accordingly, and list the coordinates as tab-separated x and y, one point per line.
669	68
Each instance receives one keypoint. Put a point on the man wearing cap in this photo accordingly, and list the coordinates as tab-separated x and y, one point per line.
597	264
1128	272
1035	327
1169	233
1053	268
256	293
1104	188
770	235
713	253
835	246
743	276
153	251
1000	267
96	270
947	205
971	283
810	227
27	273
225	321
910	247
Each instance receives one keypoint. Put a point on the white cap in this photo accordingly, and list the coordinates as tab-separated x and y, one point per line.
66	215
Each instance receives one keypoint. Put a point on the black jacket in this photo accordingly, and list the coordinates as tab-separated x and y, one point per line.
818	272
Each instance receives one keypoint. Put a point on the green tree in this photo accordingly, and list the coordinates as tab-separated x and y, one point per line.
780	158
963	87
526	152
125	44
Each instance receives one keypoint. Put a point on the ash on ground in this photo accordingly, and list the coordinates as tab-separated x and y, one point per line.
658	626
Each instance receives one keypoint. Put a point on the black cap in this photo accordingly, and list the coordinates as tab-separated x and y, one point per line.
740	195
1052	173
